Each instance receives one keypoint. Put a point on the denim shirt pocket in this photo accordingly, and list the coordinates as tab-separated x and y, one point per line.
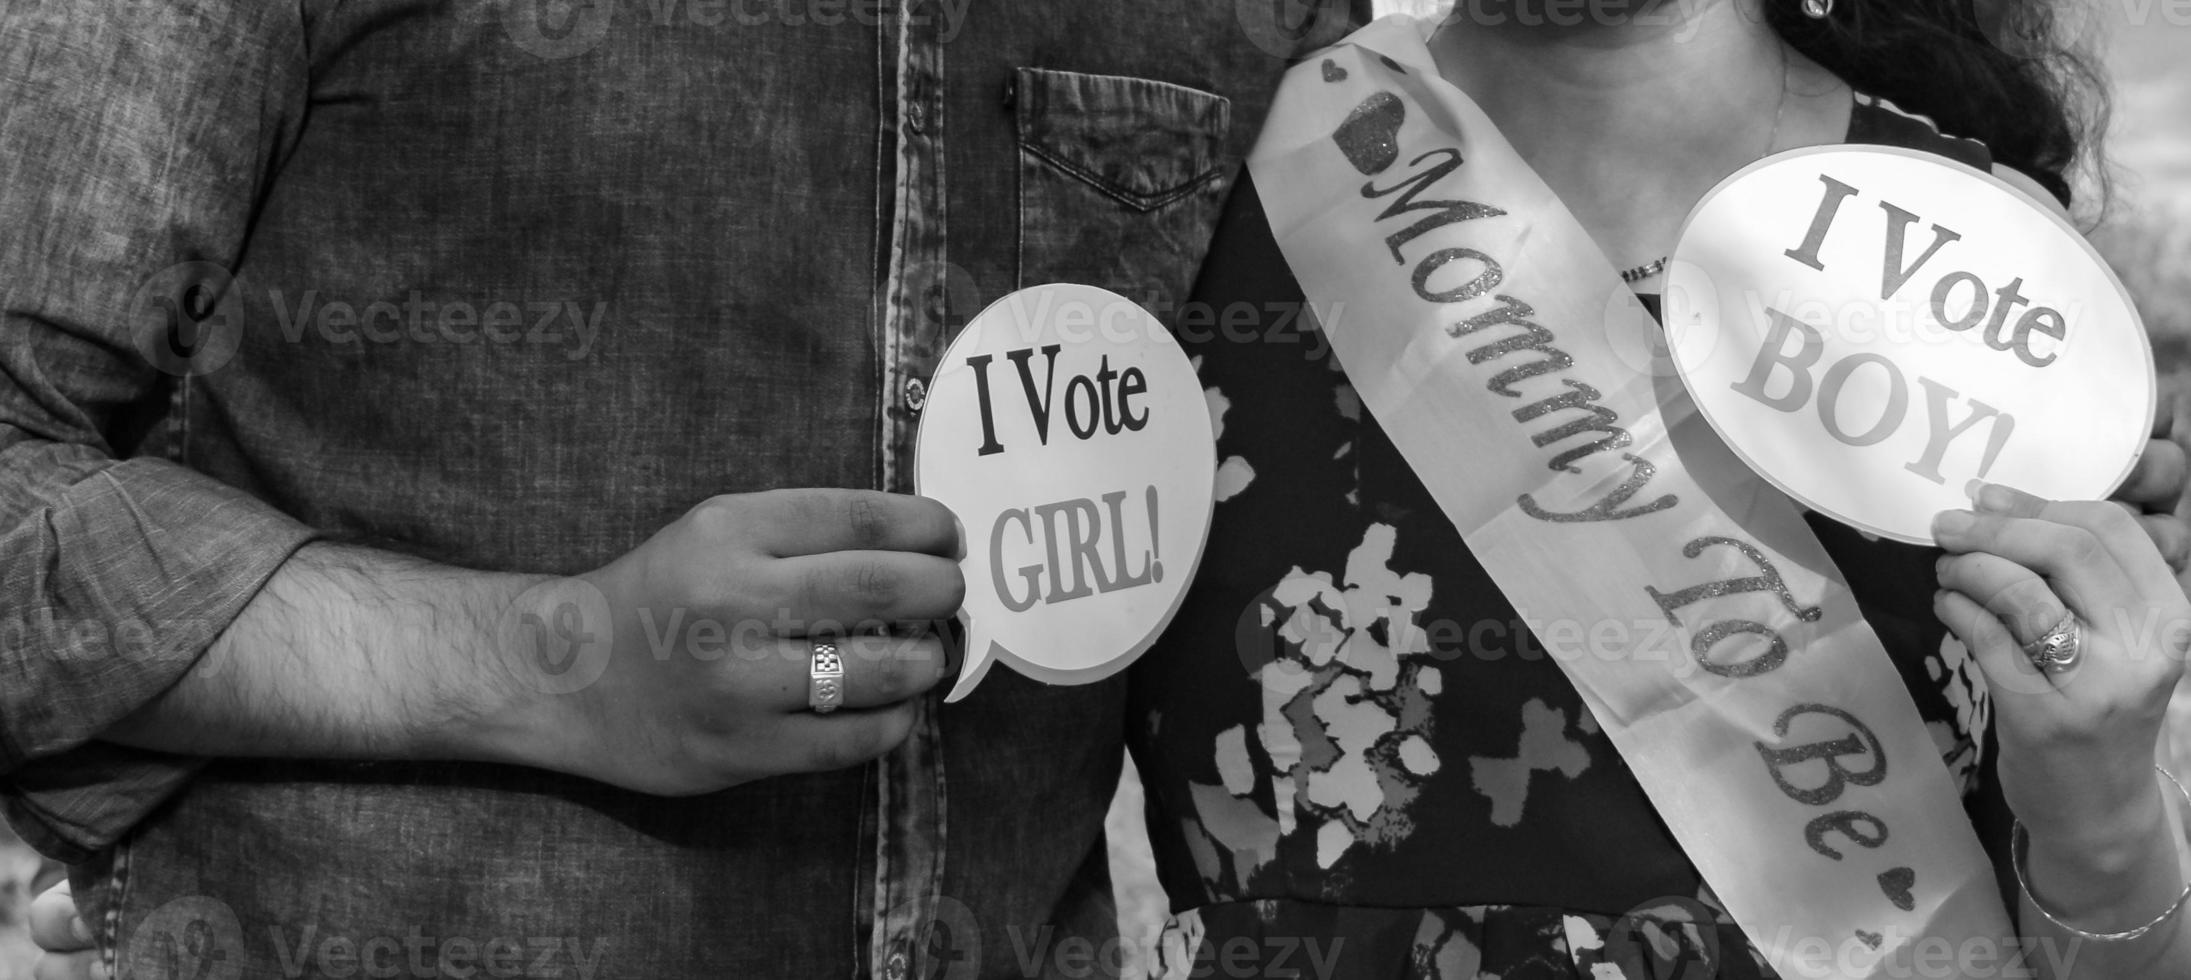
1120	182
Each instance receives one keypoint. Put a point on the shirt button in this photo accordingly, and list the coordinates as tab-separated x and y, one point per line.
916	394
894	967
916	116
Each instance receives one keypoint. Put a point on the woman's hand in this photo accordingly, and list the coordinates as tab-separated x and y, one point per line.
61	933
2077	746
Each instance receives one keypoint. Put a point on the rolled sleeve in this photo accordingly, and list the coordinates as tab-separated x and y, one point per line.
135	139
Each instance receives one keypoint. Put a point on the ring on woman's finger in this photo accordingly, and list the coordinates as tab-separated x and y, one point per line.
2059	648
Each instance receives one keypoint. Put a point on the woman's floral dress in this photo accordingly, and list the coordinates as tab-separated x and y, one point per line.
1359	764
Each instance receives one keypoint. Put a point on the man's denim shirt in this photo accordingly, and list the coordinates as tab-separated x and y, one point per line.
510	285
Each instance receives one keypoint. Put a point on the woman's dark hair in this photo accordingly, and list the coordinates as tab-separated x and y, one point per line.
2008	75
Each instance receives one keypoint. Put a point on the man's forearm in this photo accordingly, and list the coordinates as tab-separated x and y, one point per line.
350	653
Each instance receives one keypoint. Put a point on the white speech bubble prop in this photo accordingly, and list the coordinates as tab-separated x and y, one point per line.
1068	432
1873	328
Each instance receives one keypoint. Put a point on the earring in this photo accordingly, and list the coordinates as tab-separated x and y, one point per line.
1817	9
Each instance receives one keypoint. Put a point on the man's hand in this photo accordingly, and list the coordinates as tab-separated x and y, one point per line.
63	938
679	668
682	667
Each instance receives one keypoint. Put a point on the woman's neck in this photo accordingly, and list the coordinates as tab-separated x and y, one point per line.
1632	116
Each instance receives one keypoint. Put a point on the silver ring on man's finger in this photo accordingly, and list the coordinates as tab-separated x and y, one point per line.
825	679
2060	648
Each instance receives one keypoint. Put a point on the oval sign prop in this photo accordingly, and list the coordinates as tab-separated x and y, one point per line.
1873	328
1070	435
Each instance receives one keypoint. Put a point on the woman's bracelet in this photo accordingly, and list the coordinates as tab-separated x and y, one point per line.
2020	843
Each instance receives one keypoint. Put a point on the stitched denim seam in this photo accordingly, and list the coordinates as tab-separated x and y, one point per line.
110	924
1139	202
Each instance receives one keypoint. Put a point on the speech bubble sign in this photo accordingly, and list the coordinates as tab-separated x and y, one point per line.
1070	435
1872	328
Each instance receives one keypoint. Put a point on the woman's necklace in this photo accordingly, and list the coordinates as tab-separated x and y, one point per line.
1658	265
